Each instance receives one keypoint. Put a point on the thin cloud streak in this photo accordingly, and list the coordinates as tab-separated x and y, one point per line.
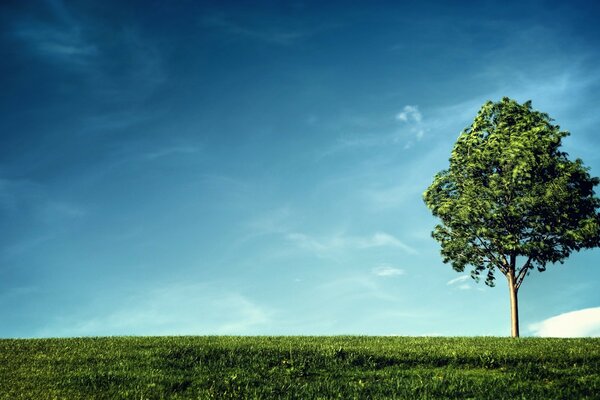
266	34
64	45
171	151
354	287
345	242
460	279
387	271
18	193
61	40
175	309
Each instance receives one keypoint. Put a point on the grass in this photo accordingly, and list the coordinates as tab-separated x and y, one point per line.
338	367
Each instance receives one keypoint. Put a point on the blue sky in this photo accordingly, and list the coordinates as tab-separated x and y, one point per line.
209	168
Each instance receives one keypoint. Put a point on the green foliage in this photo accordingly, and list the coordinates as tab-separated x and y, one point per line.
511	192
299	368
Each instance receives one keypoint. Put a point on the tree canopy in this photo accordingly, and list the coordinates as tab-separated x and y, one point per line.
511	192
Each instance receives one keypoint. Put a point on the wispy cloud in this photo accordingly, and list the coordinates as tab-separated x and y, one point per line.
382	198
463	282
346	242
54	211
126	155
387	271
412	117
29	198
459	280
410	113
261	32
380	239
171	151
175	309
16	193
403	129
274	221
62	39
126	69
26	245
309	243
250	315
547	86
387	183
61	44
18	292
43	216
110	122
579	323
353	287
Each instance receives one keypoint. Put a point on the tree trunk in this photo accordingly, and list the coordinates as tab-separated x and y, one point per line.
514	304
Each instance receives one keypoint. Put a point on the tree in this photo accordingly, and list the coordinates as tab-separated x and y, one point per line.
511	200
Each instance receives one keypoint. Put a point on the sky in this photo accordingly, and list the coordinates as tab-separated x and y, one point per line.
227	168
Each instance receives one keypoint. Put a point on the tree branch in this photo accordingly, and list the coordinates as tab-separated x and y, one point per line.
522	273
501	266
506	263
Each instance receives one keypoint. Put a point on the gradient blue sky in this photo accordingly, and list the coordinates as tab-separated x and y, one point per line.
220	168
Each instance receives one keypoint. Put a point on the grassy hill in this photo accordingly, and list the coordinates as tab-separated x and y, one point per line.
216	367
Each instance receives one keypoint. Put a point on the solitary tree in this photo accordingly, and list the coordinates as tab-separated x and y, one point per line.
511	200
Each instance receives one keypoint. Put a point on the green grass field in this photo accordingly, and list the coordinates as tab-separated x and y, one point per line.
354	367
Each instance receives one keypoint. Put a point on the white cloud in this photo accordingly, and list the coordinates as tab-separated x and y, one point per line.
580	323
387	271
344	242
460	279
411	116
410	113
